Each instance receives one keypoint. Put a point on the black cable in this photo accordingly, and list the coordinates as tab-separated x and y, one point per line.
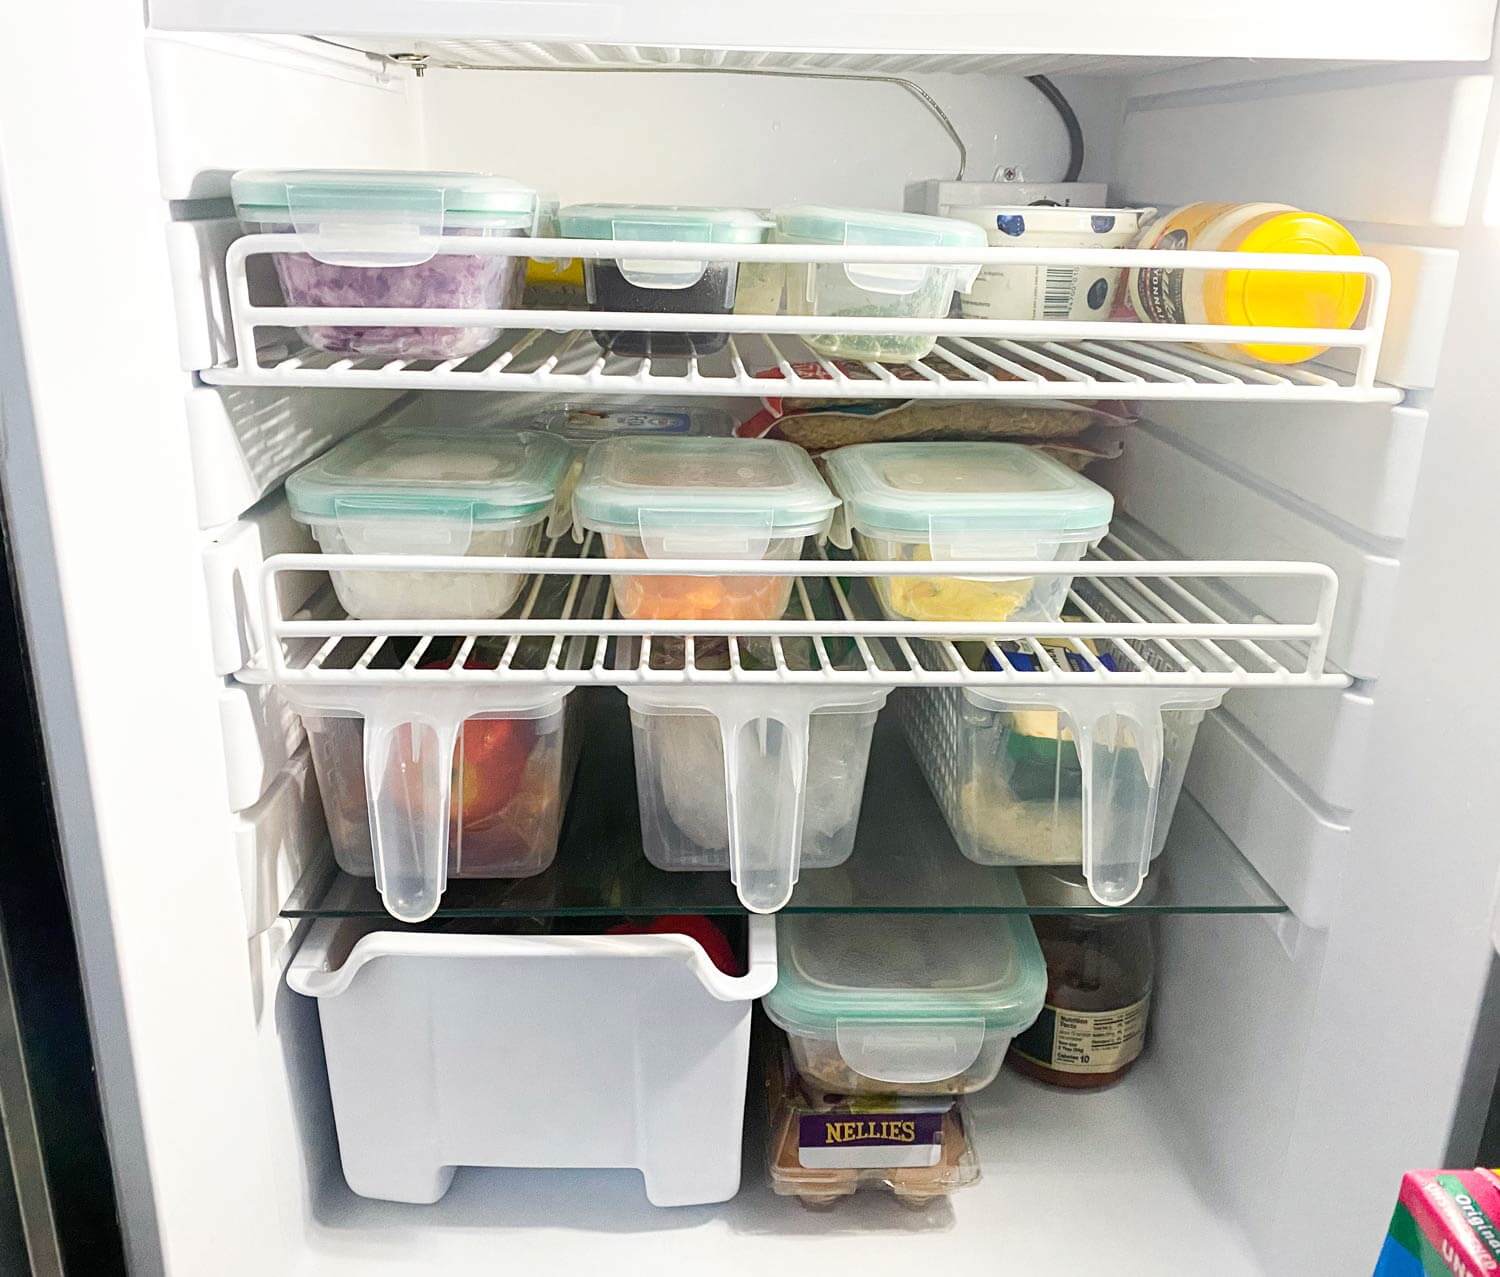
1064	108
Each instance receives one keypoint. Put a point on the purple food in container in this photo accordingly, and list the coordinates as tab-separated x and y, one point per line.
371	239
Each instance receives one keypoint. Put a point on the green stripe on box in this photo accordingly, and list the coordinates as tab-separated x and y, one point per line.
1480	1224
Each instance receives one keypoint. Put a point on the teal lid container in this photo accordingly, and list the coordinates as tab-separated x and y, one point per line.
484	478
673	223
820	224
971	492
382	217
906	999
696	496
864	227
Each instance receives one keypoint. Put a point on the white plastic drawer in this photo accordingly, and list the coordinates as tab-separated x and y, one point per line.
448	1050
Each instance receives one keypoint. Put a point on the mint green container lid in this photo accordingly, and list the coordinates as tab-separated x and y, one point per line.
671	223
819	224
686	485
485	477
272	194
905	490
901	968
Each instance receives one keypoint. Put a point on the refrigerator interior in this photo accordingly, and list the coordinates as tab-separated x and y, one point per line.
1343	1040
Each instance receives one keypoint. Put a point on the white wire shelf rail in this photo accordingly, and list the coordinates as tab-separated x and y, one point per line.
1033	359
1138	623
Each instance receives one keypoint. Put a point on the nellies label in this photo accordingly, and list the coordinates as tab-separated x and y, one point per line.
896	1137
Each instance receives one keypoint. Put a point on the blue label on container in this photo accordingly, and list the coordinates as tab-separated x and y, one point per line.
1011	223
1102	224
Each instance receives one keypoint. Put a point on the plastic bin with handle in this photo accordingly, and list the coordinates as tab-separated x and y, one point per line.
429	780
761	781
1083	775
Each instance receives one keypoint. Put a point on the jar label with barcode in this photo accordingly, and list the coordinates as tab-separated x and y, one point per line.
1085	1041
1055	286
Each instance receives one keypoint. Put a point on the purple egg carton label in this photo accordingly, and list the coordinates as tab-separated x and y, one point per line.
892	1137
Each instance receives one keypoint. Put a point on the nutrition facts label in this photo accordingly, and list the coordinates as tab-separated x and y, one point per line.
1086	1041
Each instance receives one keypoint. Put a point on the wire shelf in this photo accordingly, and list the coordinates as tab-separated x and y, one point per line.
1138	623
1046	359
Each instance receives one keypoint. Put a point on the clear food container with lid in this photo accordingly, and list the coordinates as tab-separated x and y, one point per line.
371	238
892	290
658	286
898	1004
941	502
408	489
691	498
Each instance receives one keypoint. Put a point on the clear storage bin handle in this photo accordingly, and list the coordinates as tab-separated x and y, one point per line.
1120	744
383	226
910	1053
692	534
409	779
765	777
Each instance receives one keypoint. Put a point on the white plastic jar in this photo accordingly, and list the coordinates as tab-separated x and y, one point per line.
1048	292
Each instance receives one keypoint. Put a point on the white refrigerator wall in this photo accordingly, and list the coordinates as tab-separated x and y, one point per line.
1348	1043
212	1070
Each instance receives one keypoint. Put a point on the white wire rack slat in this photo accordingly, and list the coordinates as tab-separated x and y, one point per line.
552	350
833	633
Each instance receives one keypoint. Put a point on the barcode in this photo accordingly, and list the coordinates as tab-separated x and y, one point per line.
1058	283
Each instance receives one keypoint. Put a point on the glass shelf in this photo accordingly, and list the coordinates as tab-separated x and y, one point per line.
904	859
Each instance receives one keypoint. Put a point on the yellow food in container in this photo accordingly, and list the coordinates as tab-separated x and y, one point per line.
965	502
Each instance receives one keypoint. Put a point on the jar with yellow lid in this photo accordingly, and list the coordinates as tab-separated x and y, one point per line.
1262	298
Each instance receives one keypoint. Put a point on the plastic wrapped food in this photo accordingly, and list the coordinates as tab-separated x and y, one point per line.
507	793
412	489
371	238
822	1148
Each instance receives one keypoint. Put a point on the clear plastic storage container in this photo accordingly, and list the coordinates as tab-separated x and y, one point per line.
891	290
901	1004
656	286
412	489
787	798
507	791
1016	789
929	502
701	499
371	238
